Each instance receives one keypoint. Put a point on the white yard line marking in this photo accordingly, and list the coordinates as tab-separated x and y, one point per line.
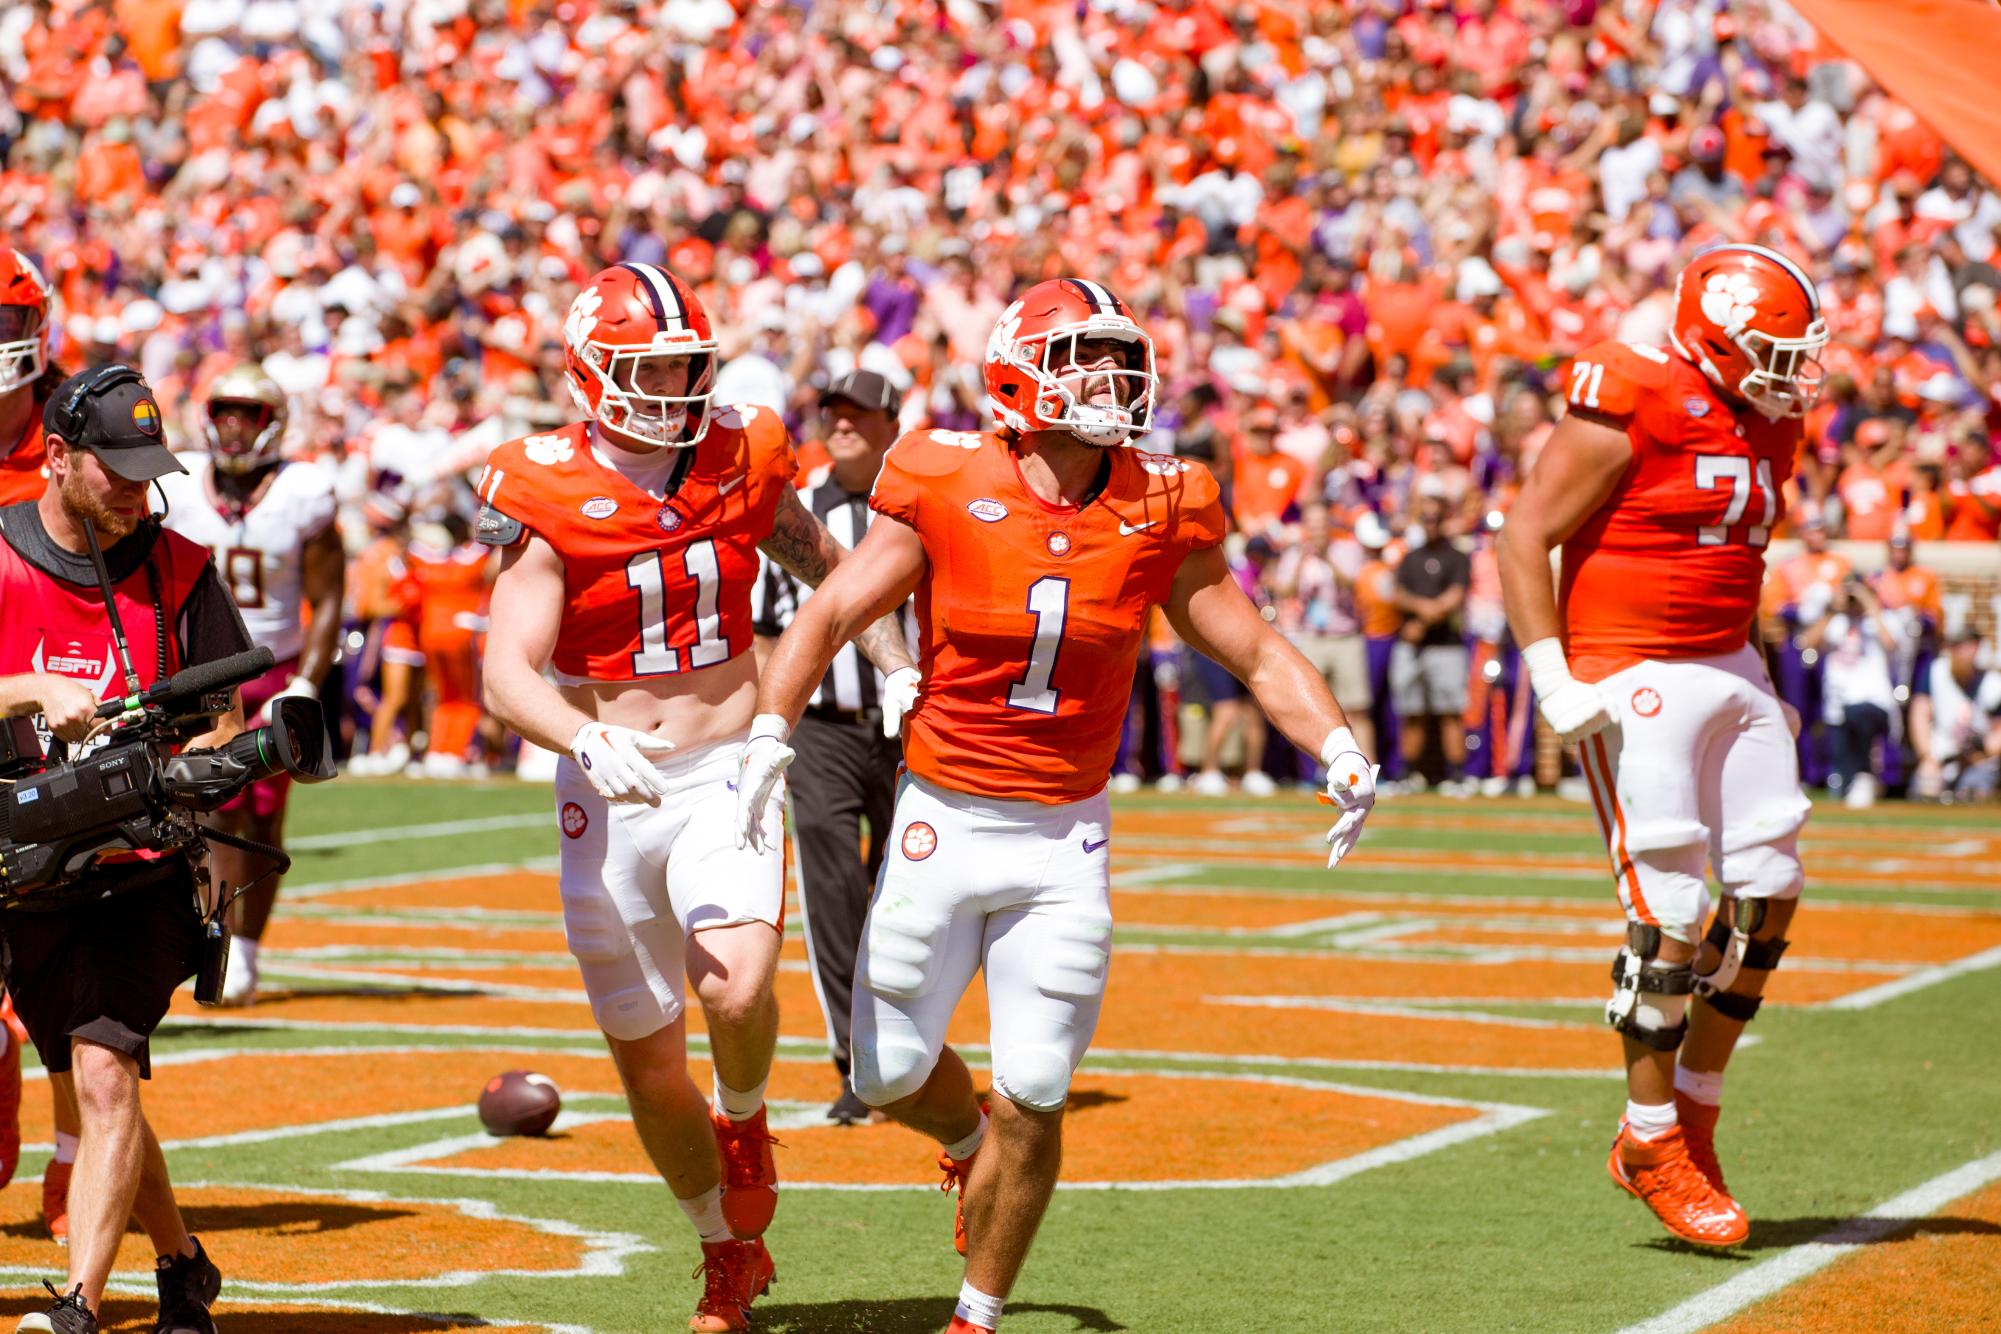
1146	875
469	871
408	832
1790	1266
1347	1005
1492	1118
1870	997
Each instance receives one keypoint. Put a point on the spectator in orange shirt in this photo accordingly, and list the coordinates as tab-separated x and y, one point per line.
1268	483
1973	495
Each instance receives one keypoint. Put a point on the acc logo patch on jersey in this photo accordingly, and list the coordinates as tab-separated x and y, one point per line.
1697	407
1058	544
668	518
920	840
1646	701
600	507
575	821
987	511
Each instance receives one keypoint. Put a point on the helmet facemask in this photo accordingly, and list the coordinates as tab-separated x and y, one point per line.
238	453
24	348
676	421
1106	406
1786	377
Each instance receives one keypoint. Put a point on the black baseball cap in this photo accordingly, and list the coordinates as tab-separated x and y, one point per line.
111	412
864	389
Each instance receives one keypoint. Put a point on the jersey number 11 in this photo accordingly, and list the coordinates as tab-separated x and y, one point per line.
645	574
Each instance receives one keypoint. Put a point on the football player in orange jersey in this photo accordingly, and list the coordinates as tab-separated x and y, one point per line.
1035	555
630	545
26	382
1661	486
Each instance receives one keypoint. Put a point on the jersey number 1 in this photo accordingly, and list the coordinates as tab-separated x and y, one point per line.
644	574
1049	603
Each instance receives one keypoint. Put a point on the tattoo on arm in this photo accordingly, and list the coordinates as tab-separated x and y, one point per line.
883	644
800	542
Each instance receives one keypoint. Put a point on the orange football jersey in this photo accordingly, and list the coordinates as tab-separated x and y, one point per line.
1032	615
23	474
1671	564
651	586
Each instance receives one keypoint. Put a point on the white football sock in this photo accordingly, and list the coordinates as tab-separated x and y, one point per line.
981	1308
961	1149
739	1104
1649	1122
65	1148
705	1211
1703	1087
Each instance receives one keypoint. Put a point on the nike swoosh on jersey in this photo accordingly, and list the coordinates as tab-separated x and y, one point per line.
1089	846
1128	529
724	488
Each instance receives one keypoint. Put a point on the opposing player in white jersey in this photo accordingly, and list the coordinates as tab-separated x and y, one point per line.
270	523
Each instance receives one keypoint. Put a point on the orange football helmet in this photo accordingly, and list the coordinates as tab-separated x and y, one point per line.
623	324
246	385
1750	318
1035	380
24	321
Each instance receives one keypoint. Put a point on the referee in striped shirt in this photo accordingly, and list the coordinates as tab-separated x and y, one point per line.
846	771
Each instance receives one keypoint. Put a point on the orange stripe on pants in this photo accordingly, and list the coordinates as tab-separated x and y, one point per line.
1622	861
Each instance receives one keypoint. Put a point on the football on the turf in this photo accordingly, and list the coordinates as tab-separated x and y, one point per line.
519	1103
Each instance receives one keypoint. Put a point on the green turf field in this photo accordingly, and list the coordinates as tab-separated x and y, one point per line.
1456	964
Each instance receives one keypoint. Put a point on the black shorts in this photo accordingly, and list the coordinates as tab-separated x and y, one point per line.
106	970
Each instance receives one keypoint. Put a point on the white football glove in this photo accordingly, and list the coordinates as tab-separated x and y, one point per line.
614	760
1573	709
899	696
1351	788
759	784
297	687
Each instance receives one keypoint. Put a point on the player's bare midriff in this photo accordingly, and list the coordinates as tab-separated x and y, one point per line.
688	708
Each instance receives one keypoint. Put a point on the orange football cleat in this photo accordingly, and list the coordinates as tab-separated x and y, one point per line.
1658	1172
734	1274
961	1325
55	1200
955	1178
1698	1130
10	1090
750	1177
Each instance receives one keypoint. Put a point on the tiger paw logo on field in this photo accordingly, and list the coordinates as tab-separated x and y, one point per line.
1729	299
548	450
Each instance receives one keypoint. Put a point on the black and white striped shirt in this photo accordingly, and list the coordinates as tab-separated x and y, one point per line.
851	682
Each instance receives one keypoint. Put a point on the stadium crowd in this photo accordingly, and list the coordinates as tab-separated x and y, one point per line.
1366	236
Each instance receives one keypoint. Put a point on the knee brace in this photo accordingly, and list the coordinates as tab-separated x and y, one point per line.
1738	948
1649	999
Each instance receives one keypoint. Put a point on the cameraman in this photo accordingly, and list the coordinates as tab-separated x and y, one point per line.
93	968
1856	643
